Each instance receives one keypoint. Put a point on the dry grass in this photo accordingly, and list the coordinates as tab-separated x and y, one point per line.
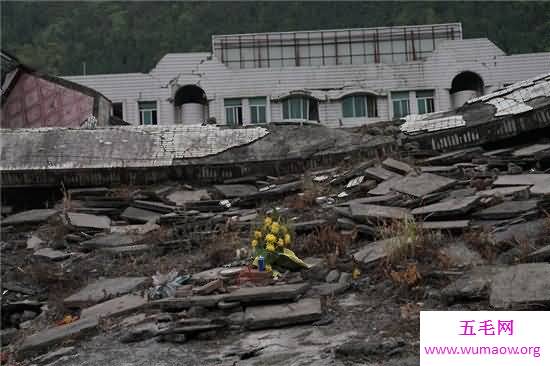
480	241
221	249
406	237
323	241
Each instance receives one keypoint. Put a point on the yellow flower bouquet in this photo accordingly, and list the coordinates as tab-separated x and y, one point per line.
272	239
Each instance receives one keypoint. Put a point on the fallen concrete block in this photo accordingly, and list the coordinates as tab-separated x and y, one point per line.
374	252
51	254
29	217
450	207
507	210
423	184
272	316
366	213
522	286
397	166
104	289
134	214
82	220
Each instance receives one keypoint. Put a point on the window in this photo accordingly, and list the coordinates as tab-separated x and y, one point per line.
147	113
425	101
257	109
401	107
300	108
359	106
233	112
117	110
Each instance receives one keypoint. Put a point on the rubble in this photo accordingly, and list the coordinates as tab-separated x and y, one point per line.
269	316
102	290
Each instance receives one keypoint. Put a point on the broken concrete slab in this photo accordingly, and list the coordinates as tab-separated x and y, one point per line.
384	188
114	307
388	199
102	290
473	285
522	286
450	207
423	184
127	249
365	213
82	220
306	226
41	341
540	255
29	217
108	241
134	214
134	229
153	206
445	225
51	254
507	210
235	190
453	156
209	287
504	191
440	169
459	255
376	251
272	316
381	174
247	295
532	150
521	179
34	242
527	231
397	166
181	197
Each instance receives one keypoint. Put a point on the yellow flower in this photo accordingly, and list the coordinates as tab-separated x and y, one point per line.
280	242
275	227
270	238
268	268
270	247
287	239
268	220
254	243
356	273
257	234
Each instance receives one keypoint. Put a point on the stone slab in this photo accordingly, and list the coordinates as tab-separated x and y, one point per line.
503	191
51	254
114	307
522	286
521	179
29	217
364	213
384	188
83	220
127	249
423	184
181	197
153	206
459	255
397	166
473	285
374	252
387	199
235	190
305	226
507	210
108	241
102	290
134	214
41	341
540	255
273	316
450	207
379	173
532	150
446	225
247	295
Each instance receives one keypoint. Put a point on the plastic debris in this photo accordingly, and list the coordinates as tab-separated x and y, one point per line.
165	285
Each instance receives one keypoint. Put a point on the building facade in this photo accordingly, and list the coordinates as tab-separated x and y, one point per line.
339	78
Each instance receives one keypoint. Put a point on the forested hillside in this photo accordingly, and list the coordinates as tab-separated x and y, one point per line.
132	36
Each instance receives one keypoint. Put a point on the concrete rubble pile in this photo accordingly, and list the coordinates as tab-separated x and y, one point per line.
481	215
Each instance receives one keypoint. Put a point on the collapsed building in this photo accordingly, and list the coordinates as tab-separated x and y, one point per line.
338	78
32	99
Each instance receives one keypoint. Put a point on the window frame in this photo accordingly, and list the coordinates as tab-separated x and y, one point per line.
233	107
152	112
399	98
305	108
368	102
256	104
426	101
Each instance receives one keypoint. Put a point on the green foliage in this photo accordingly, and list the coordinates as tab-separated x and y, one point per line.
132	36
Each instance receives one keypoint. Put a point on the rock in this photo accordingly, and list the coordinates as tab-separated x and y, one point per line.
507	210
514	169
333	276
317	270
102	290
398	166
445	225
374	252
34	242
522	286
114	307
139	215
504	191
28	315
528	231
54	355
181	197
29	217
140	333
380	174
235	190
366	212
540	255
345	278
474	285
422	185
42	340
272	316
51	254
108	241
82	220
450	207
7	336
209	287
329	289
460	255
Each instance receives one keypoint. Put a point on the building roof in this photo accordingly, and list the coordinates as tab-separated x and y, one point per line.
115	147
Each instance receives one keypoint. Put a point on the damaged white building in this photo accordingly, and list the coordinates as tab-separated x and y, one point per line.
339	78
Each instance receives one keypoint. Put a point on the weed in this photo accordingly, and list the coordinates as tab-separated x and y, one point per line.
324	240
